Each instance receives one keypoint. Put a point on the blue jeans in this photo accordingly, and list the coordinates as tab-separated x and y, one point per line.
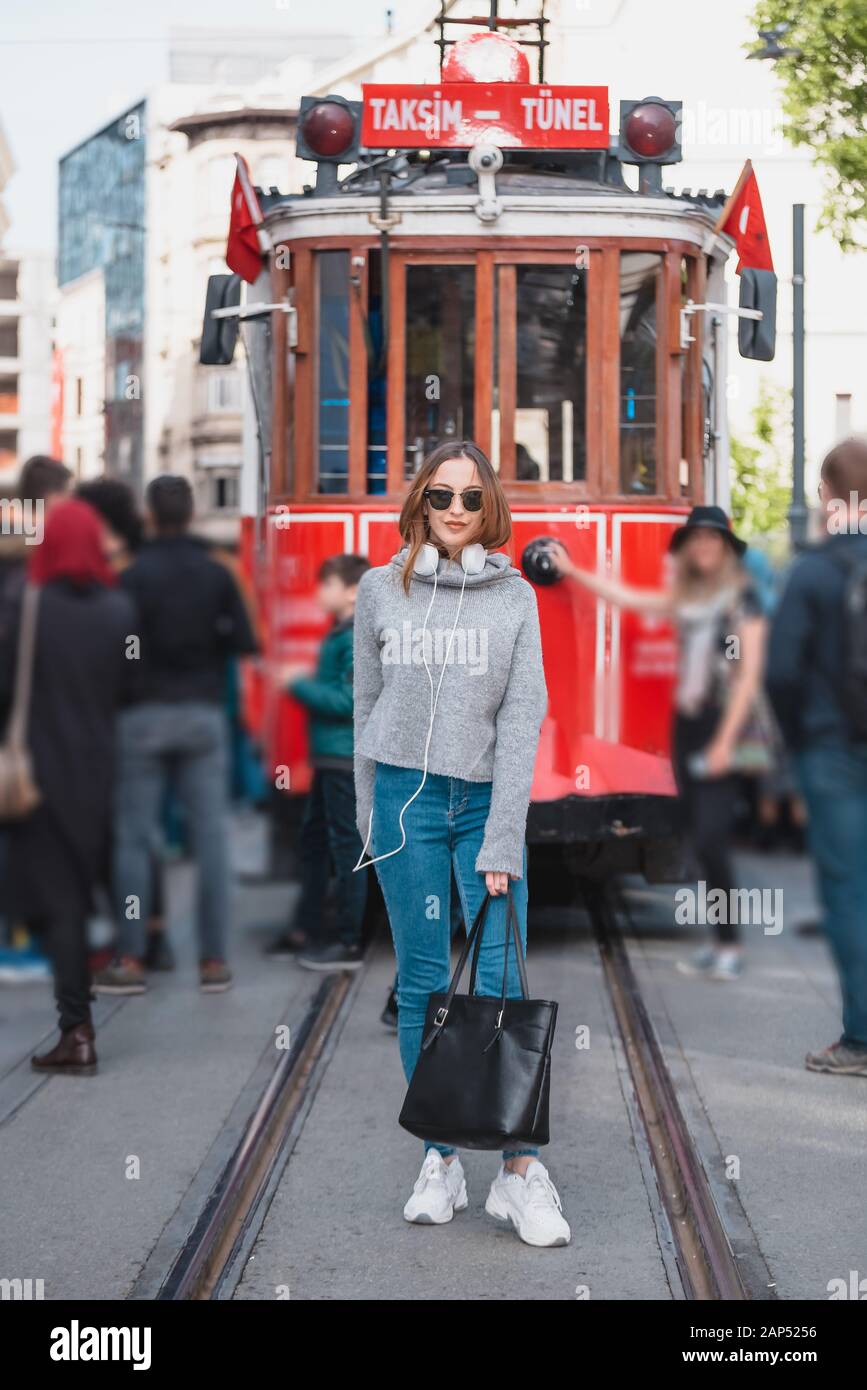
834	782
445	826
188	741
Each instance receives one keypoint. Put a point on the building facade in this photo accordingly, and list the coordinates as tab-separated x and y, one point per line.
80	350
143	218
102	231
27	295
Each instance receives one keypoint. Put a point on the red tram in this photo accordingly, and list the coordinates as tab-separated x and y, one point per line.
485	271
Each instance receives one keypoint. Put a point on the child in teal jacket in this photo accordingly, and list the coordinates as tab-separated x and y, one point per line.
329	838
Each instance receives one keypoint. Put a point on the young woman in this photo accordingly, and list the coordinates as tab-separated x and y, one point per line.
80	677
449	699
721	637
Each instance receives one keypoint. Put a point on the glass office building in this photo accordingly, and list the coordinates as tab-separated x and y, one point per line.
101	212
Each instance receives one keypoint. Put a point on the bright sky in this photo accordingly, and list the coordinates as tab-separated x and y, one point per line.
67	68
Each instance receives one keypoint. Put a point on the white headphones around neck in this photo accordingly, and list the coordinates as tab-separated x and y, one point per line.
473	559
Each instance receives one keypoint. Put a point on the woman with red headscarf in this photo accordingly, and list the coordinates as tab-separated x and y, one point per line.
81	675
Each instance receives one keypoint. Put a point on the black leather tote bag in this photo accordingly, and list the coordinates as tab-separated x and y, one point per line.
483	1077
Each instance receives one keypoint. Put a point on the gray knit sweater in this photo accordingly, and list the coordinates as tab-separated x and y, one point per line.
492	699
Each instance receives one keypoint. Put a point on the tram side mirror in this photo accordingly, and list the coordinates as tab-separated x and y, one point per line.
757	338
536	561
219	336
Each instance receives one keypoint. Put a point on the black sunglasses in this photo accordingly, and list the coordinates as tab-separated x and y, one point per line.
441	498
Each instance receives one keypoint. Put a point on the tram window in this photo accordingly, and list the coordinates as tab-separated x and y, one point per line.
376	379
439	388
639	273
551	345
332	391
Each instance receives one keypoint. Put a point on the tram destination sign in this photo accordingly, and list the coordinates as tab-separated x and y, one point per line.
458	115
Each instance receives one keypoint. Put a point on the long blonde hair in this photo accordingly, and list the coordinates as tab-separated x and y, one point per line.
690	586
496	527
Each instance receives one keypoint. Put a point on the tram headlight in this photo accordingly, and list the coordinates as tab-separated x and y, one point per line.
328	130
650	131
485	159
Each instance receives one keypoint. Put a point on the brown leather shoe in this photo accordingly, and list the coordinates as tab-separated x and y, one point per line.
74	1055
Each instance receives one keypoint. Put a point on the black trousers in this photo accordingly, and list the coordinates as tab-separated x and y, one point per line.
64	940
49	885
709	808
329	838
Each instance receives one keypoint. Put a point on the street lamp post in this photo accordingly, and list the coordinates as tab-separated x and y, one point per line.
798	509
771	50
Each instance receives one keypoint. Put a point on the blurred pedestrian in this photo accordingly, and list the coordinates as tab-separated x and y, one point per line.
247	780
42	482
191	620
328	834
123	526
777	814
721	636
115	502
45	480
80	675
817	681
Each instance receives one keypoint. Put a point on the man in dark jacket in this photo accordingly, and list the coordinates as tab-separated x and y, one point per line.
806	670
191	620
329	831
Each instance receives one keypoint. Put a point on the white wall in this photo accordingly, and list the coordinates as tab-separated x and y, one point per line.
37	294
80	337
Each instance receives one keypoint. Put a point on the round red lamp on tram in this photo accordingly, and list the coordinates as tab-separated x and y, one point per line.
651	130
328	128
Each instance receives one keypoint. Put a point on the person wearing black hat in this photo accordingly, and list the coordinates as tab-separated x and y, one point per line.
721	637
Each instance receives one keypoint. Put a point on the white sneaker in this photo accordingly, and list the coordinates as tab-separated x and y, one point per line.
531	1204
701	963
440	1190
728	966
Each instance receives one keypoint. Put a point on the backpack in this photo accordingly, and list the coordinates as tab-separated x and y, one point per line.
853	689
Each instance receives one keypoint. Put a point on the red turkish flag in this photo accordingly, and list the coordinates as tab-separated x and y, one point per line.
243	253
744	220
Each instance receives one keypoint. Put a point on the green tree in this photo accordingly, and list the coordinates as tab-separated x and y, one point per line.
824	87
761	470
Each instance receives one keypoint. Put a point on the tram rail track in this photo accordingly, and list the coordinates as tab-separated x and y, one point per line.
705	1261
210	1261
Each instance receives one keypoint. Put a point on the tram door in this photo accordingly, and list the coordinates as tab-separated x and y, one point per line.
494	348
